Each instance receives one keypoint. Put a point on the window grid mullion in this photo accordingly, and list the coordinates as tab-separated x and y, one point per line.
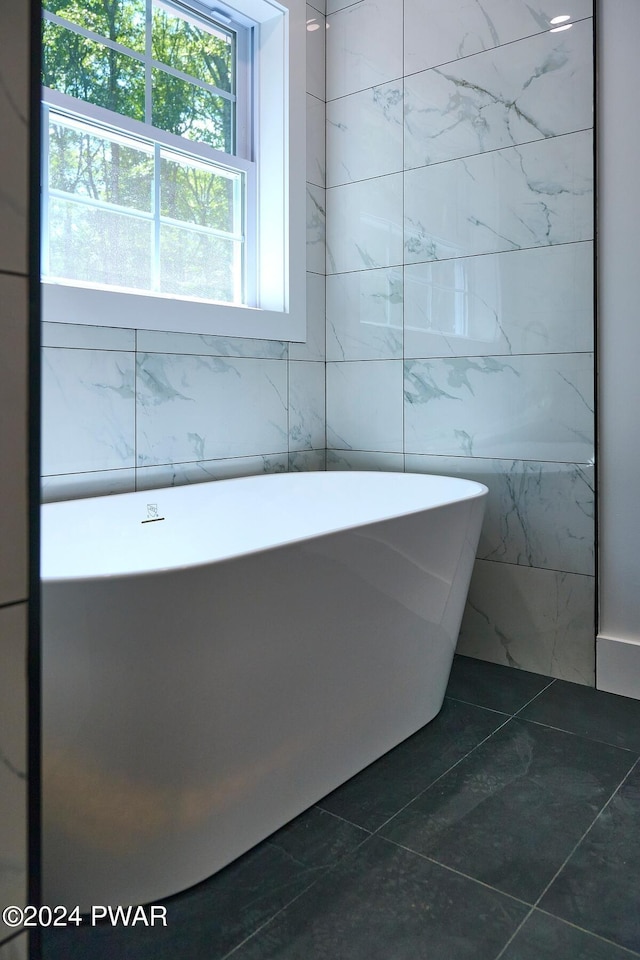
148	106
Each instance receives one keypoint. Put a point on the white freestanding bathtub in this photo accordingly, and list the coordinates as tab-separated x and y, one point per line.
218	657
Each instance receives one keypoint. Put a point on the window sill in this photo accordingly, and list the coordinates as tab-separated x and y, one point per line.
64	303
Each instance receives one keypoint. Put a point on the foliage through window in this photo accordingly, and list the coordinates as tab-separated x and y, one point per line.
149	177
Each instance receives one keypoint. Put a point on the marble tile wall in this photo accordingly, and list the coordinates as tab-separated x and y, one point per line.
133	409
14	552
460	290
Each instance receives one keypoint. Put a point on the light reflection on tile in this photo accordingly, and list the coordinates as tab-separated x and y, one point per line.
452	31
480	305
364	224
364	46
364	315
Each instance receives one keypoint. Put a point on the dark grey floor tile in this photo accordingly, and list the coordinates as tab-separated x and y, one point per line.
383	903
589	713
511	812
493	685
545	938
208	920
598	888
387	785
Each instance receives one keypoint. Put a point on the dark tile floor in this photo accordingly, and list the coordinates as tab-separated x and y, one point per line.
507	828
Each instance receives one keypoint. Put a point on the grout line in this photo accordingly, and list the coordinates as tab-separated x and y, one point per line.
480	706
568	857
443	774
458	873
550	684
322	873
576	926
582	736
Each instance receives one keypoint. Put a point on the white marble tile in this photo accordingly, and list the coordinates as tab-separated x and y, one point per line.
364	460
364	405
316	228
528	408
442	31
314	346
364	46
159	341
535	88
13	758
364	315
87	337
320	6
99	483
316	42
364	224
178	474
193	408
88	410
306	405
14	123
307	461
478	306
334	5
316	163
527	196
14	307
538	620
537	514
365	134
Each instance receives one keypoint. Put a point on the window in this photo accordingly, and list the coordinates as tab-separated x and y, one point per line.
169	171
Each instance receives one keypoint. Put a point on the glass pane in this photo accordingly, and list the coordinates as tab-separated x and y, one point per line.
195	194
198	265
99	246
89	71
191	112
119	20
101	167
187	45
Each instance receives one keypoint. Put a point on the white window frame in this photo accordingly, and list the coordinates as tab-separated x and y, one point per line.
280	210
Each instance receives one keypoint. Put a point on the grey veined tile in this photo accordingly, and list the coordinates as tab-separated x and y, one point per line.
306	405
537	620
537	514
365	134
538	87
531	195
192	408
88	410
527	407
453	31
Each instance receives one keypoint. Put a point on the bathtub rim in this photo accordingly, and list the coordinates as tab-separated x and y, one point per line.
469	490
